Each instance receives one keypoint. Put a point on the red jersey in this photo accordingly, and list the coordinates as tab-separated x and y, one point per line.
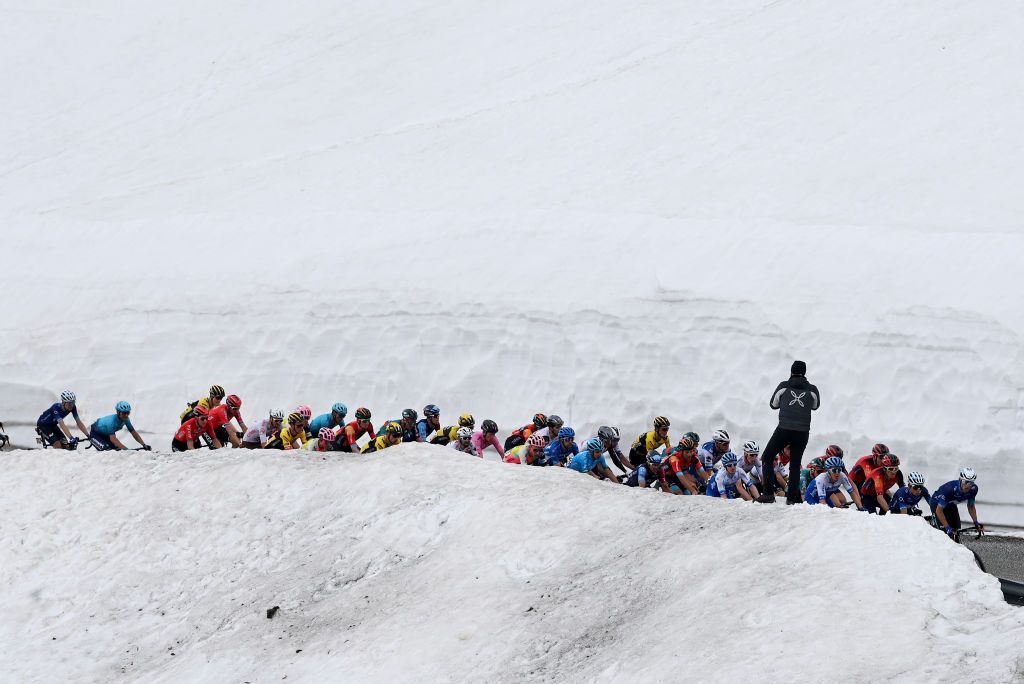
878	482
189	431
353	431
678	462
861	470
219	417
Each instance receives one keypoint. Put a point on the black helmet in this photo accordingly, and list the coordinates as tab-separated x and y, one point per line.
362	413
540	420
693	437
489	426
410	414
661	422
431	410
555	422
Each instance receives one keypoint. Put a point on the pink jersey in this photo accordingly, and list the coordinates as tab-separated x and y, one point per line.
481	440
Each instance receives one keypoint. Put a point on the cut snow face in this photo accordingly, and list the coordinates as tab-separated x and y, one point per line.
419	564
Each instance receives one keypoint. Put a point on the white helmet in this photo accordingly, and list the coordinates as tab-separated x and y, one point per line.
720	436
277	414
915	478
750	447
464	433
67	396
967	473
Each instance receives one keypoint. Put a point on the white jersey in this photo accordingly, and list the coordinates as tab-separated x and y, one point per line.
826	487
466	449
724	480
257	434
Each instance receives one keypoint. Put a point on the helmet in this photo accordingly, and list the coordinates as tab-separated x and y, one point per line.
489	426
326	433
67	396
431	410
915	478
537	441
661	422
694	437
340	408
567	432
654	458
609	434
967	473
123	407
294	417
750	447
720	436
467	420
818	463
555	421
687	442
217	391
362	413
200	410
540	420
879	450
834	450
833	462
305	411
464	433
410	414
890	461
729	459
394	429
277	414
234	401
594	444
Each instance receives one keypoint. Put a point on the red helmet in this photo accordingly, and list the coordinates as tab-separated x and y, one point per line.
201	410
233	401
890	461
834	450
540	420
879	450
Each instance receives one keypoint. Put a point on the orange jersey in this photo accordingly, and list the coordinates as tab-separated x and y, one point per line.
878	482
189	431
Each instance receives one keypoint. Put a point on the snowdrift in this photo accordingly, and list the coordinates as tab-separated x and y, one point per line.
423	565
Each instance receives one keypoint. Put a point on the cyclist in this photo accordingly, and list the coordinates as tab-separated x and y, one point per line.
861	470
464	442
682	471
609	436
187	436
322	442
730	481
647	474
562	449
211	402
219	427
334	419
430	423
826	488
946	499
50	425
555	424
711	453
531	452
520	435
392	435
450	434
292	435
749	463
591	461
875	490
906	498
307	415
410	433
486	436
347	439
647	442
260	434
103	433
815	468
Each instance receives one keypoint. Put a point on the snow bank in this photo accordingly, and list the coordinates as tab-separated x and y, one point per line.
423	565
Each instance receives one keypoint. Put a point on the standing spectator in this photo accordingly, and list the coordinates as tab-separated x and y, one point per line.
794	399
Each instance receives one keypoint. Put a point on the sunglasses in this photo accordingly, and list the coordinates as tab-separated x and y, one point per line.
890	469
835	471
664	429
731	465
915	487
202	418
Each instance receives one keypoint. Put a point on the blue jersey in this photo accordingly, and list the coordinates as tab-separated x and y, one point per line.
904	499
642	473
108	425
424	430
55	414
951	493
325	420
585	461
725	483
556	452
823	487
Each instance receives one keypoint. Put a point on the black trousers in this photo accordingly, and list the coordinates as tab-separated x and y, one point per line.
797	443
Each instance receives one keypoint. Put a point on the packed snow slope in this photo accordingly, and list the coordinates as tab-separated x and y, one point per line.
557	206
419	564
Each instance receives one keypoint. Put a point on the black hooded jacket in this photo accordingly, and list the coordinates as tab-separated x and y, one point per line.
795	399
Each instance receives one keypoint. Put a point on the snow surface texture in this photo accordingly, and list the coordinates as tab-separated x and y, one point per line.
419	564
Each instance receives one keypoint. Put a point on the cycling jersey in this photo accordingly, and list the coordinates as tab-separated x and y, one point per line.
878	482
189	431
556	453
725	483
108	425
679	463
822	488
379	444
314	445
291	434
709	457
464	448
260	433
481	440
516	454
950	493
904	499
805	478
353	432
643	474
325	420
445	435
204	402
55	414
424	428
862	469
220	416
585	461
650	441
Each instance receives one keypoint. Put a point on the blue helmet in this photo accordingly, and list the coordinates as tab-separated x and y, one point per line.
340	408
566	432
654	458
594	444
834	462
431	410
729	459
123	407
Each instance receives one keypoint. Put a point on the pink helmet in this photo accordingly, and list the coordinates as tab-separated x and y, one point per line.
304	411
537	441
326	433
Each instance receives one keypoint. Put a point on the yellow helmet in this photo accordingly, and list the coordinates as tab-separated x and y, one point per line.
217	391
467	420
